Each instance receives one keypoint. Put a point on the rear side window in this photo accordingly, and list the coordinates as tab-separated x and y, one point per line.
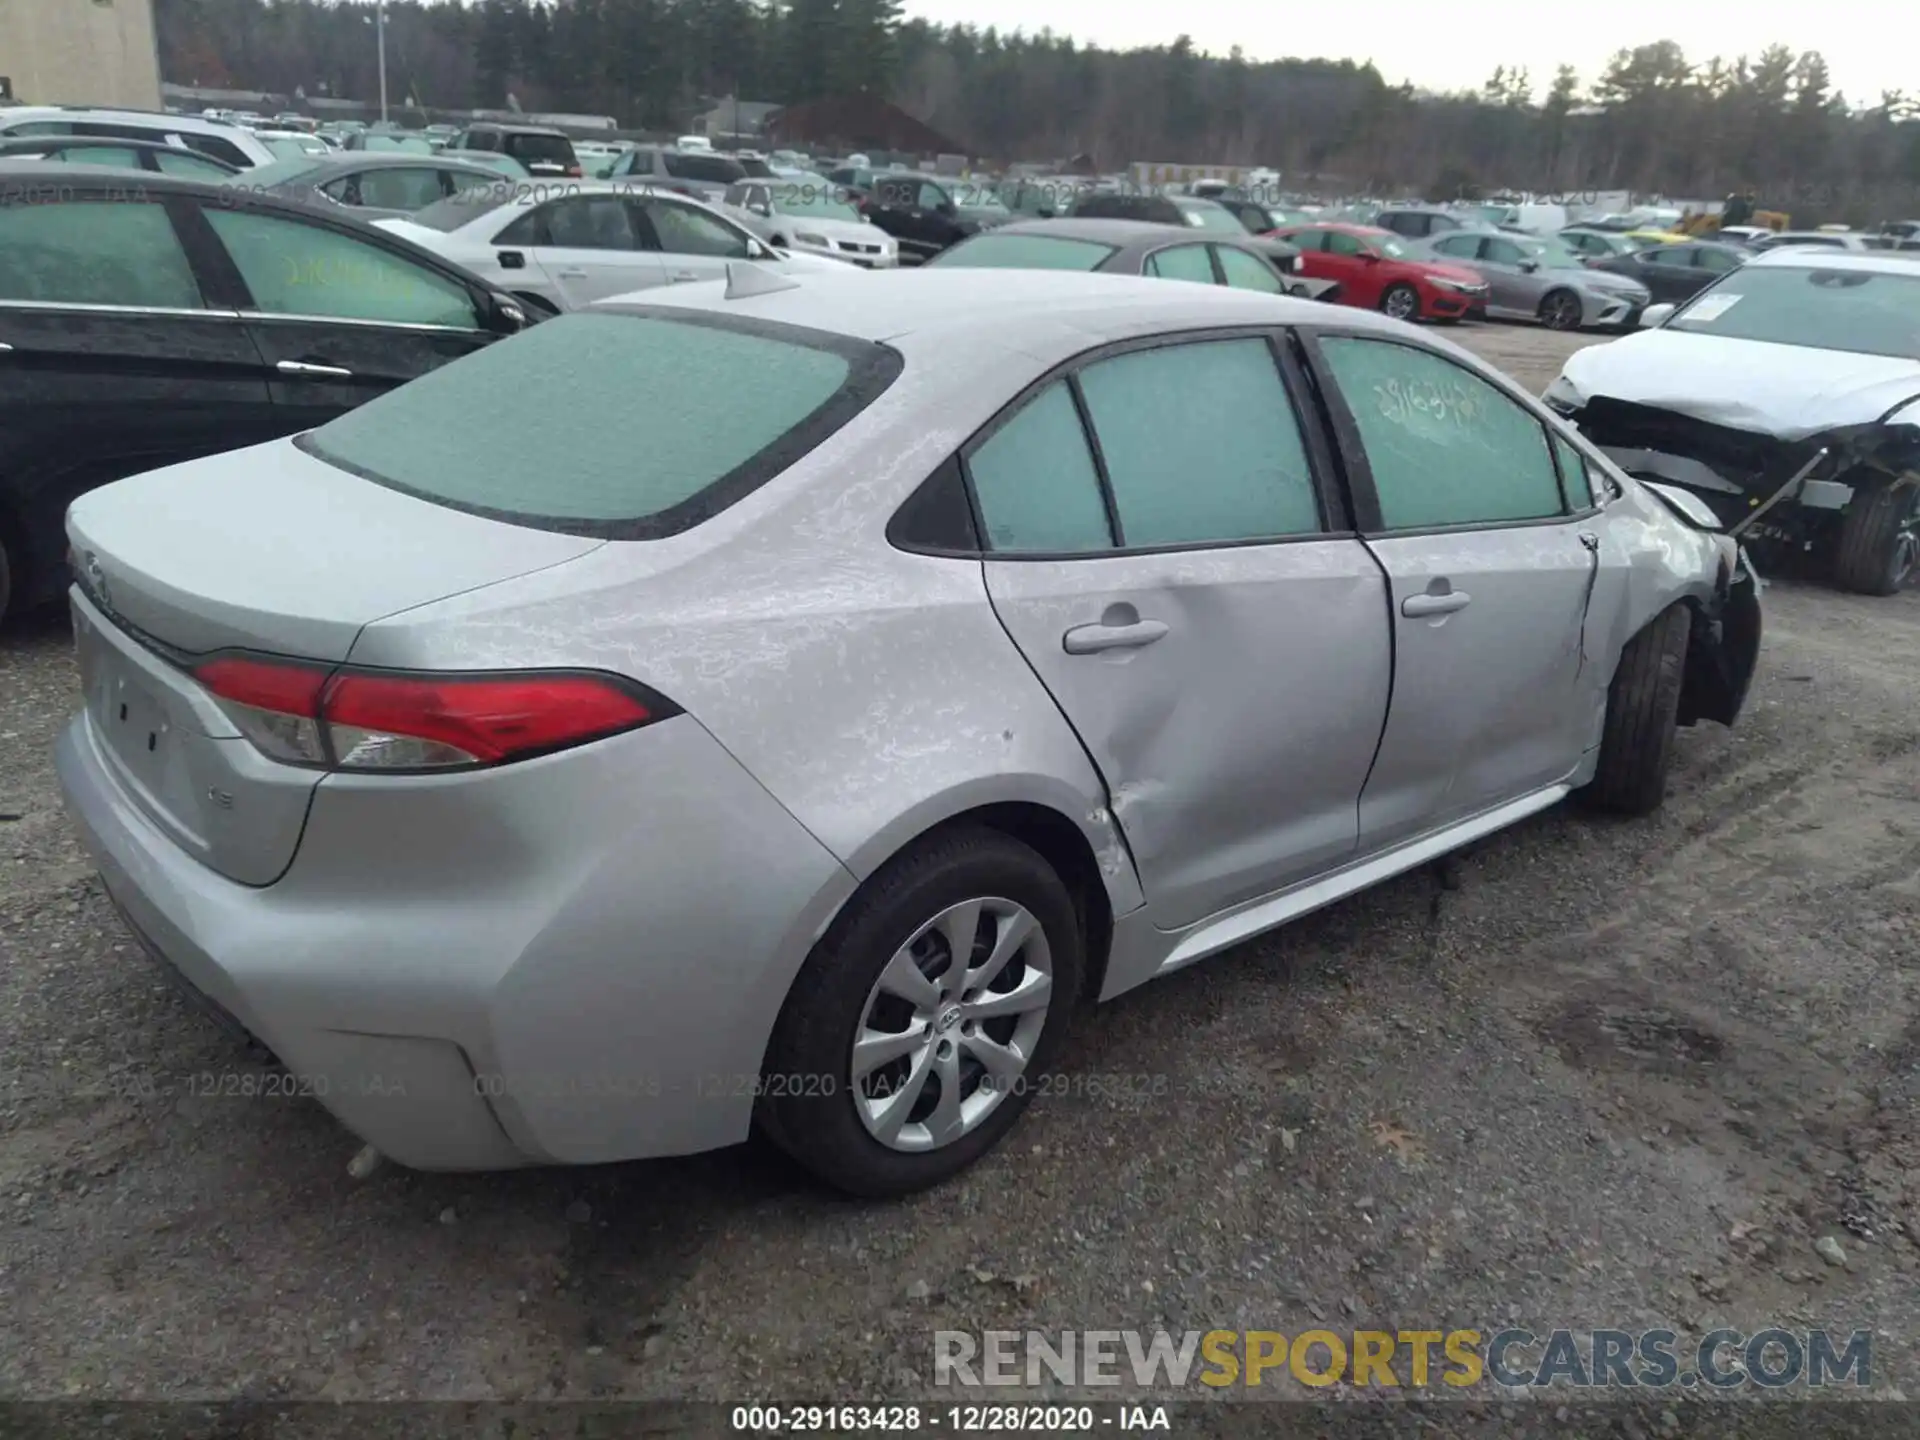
1201	445
127	158
465	435
296	269
1445	447
1038	490
120	252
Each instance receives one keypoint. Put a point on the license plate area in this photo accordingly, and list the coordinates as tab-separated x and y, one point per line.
126	715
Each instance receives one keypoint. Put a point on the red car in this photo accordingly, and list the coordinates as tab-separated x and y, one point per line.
1377	270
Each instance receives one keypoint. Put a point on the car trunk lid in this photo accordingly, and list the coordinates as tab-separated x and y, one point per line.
266	550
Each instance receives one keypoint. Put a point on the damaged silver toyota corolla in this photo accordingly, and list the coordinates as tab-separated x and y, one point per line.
1787	396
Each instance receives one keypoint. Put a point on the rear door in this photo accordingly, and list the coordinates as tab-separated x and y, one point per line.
1244	271
112	361
1166	553
693	244
587	245
1492	568
338	317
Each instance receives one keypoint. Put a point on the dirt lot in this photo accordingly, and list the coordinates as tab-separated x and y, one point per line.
1618	1074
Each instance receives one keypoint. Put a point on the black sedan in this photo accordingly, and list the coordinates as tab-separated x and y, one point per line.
374	185
1135	247
1673	273
146	320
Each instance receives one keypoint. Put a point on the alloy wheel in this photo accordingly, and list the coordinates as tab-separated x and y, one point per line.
949	1027
1401	304
1562	313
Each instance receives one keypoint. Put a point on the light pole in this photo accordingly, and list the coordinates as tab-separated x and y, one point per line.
380	24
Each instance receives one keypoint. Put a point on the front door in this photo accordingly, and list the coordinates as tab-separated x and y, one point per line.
111	361
693	244
339	319
1491	569
1222	653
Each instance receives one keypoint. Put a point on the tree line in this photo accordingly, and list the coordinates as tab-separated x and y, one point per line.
1652	120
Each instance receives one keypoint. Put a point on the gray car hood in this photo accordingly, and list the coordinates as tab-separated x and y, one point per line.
1787	391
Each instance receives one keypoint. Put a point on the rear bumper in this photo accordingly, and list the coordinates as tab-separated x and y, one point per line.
588	975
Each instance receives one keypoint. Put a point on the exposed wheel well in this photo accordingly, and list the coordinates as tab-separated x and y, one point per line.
1062	845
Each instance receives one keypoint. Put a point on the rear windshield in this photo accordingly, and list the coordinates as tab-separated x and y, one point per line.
476	435
717	169
1024	252
548	149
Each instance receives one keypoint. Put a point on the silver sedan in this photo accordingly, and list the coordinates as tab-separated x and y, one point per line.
1541	278
900	661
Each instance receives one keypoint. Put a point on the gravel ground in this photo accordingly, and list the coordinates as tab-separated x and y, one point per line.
1588	1073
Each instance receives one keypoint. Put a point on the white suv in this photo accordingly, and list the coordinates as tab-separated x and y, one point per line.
209	137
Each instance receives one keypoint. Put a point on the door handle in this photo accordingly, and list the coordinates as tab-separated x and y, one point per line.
1415	607
573	274
680	276
302	367
1092	639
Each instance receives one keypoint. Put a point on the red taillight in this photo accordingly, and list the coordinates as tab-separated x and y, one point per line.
574	171
370	720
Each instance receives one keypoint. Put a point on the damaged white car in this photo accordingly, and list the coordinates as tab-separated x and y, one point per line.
1787	396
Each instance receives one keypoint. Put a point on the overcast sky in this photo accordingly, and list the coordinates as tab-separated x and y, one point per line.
1456	45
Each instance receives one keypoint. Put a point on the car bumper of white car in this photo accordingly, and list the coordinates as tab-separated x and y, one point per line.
550	984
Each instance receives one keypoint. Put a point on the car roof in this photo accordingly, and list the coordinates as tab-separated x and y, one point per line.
1346	226
1107	232
391	159
1046	314
507	128
1832	257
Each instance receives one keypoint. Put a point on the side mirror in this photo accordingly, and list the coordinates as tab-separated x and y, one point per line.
947	208
505	315
1370	257
762	209
758	251
1527	267
1655	315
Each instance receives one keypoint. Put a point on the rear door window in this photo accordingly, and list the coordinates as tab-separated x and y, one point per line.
219	149
1201	445
126	158
582	222
459	435
397	188
296	269
119	252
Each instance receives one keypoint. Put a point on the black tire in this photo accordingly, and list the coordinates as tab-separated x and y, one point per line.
1396	296
1643	705
814	1034
1560	310
1875	551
